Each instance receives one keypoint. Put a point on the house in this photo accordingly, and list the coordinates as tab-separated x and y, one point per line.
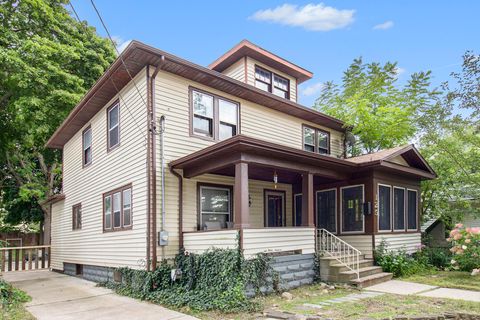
163	154
434	232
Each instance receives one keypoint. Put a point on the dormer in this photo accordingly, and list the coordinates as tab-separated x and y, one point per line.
258	67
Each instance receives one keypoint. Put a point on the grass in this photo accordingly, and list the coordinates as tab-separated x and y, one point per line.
447	279
15	312
379	307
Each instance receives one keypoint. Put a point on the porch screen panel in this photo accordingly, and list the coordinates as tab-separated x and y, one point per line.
352	215
298	210
215	207
326	210
384	208
398	209
412	209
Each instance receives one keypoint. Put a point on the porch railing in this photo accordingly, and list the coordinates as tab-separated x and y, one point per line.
332	246
24	258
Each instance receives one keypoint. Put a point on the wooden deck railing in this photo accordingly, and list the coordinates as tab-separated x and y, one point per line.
24	258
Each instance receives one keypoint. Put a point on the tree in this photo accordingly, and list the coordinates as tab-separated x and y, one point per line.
47	62
381	114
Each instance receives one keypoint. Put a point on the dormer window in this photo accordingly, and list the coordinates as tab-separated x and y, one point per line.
271	82
316	140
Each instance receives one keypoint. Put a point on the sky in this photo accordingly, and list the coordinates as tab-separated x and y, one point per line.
322	37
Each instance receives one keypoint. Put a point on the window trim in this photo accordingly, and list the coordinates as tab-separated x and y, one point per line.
316	147
336	207
378	208
201	185
74	218
89	127
216	114
404	209
113	105
111	193
271	85
416	213
341	209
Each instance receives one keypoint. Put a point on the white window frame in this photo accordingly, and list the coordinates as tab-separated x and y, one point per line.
378	208
336	206
404	208
416	213
341	209
115	105
229	213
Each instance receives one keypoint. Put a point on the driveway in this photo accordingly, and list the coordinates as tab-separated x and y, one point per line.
57	296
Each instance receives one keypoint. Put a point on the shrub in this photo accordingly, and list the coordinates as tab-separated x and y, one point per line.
434	256
214	280
11	296
397	262
466	248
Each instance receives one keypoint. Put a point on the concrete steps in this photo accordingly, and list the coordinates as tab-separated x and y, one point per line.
333	271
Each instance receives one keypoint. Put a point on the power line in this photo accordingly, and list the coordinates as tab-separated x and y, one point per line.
123	62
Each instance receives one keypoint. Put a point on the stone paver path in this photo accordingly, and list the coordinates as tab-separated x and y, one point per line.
60	297
349	298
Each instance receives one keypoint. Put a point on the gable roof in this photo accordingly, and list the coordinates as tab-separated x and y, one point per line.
138	55
385	157
246	48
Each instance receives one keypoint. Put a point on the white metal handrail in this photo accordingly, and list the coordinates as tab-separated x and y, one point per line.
331	245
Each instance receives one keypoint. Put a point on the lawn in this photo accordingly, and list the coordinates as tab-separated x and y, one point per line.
380	307
447	279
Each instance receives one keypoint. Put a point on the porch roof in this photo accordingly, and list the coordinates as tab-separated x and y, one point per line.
223	155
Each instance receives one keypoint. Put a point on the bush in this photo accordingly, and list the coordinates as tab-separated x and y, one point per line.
397	262
436	257
466	248
11	296
214	280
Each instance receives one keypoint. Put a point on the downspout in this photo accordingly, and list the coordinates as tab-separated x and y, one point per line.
180	206
149	194
163	241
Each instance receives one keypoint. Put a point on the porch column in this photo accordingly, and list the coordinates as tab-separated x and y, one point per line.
240	191
307	200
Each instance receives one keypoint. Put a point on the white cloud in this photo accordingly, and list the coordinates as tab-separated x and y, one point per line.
384	26
120	43
399	71
313	89
314	17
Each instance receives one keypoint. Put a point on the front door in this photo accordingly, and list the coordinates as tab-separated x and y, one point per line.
275	208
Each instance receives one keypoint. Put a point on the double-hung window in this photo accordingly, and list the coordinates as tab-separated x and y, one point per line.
113	124
215	206
316	140
412	209
398	208
214	117
87	146
271	82
117	209
384	207
77	217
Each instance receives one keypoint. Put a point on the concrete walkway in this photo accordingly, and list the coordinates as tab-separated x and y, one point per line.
406	288
57	296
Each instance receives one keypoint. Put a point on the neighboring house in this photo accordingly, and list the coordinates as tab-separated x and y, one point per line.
240	154
471	221
434	232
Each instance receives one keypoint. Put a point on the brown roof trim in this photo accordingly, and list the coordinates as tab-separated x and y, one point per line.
52	199
247	48
137	55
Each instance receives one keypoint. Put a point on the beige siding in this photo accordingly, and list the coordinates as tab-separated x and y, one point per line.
236	70
410	242
172	100
360	242
399	160
123	165
199	242
251	76
278	240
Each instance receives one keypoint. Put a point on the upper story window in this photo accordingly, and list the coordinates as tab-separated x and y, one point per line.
316	140
77	217
117	209
214	117
271	82
113	122
87	146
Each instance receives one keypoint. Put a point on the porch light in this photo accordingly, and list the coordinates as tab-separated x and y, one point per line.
275	178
